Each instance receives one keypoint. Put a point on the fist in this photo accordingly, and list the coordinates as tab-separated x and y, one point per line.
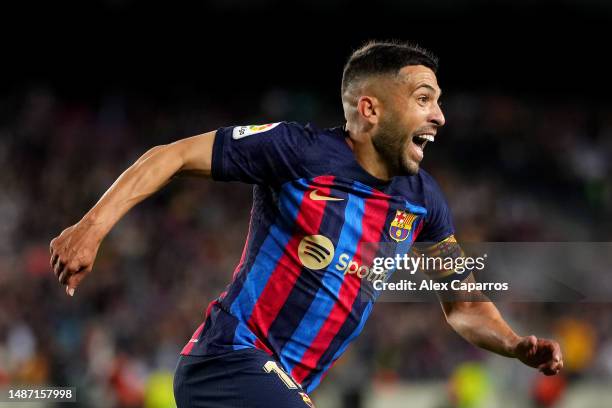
543	354
73	253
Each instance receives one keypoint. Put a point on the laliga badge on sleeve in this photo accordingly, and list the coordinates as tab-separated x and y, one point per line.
243	131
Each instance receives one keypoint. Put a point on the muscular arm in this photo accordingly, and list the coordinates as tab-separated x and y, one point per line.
73	252
147	175
480	323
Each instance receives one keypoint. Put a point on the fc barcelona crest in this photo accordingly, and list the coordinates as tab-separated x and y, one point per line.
401	225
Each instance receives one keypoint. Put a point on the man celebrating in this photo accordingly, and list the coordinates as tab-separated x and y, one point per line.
321	197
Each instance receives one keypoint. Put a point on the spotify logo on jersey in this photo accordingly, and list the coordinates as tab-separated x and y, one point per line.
316	251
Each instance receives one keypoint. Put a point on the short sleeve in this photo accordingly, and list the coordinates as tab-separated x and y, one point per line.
437	240
260	154
439	221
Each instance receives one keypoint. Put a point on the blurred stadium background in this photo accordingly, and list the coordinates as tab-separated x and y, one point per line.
525	156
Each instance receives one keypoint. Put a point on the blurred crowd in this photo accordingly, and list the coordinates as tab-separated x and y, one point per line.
513	168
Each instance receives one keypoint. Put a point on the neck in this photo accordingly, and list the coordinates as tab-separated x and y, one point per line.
368	158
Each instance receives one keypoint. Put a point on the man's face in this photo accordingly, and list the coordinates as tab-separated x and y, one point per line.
410	118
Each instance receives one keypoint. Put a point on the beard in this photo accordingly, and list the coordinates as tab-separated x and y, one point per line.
391	143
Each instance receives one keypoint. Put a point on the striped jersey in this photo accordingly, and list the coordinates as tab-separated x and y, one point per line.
303	288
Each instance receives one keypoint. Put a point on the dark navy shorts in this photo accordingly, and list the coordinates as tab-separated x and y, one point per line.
248	378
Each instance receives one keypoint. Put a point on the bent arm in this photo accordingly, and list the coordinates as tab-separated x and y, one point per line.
74	251
470	314
480	323
147	175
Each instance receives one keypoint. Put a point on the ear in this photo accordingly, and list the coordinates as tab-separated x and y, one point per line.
369	109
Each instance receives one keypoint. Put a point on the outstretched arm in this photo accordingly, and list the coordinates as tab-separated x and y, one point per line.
73	252
480	323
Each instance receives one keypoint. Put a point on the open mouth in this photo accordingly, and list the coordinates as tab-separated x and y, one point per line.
422	139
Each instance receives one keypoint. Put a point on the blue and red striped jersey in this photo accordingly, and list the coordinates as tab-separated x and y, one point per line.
303	289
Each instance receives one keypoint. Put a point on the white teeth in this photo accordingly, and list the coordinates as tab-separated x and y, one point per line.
429	138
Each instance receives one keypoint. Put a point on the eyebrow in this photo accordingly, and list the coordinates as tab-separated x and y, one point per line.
428	87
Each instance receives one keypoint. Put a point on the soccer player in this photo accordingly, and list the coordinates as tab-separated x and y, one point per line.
323	199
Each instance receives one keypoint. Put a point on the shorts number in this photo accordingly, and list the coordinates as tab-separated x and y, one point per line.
271	366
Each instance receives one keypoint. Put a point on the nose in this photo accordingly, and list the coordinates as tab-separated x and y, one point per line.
437	116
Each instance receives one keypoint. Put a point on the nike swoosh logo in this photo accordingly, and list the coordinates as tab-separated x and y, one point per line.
315	196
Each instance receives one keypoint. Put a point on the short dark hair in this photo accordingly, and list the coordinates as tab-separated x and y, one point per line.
385	57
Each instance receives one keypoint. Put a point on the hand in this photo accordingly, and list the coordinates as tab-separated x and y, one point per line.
73	253
543	354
